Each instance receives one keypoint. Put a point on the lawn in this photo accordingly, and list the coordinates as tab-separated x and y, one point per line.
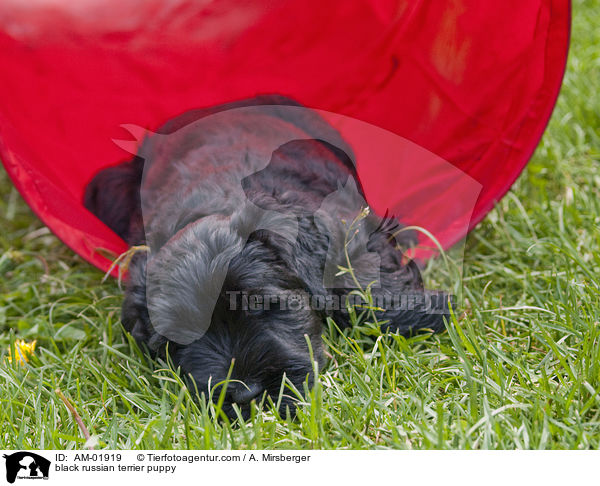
518	367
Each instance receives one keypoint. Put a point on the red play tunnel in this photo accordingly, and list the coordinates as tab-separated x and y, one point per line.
436	89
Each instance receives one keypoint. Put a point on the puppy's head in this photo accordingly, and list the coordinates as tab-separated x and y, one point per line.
196	288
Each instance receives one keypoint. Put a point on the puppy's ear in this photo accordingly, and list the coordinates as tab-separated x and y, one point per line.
113	195
134	311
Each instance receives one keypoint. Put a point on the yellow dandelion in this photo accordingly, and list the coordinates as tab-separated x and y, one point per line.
23	350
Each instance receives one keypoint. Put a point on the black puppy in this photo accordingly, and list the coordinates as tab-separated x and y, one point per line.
250	210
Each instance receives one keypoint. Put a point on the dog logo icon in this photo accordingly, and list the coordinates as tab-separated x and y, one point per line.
26	465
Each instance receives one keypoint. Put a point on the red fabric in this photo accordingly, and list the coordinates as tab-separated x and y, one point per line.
464	81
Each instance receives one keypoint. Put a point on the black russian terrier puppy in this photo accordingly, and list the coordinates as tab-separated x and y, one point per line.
245	207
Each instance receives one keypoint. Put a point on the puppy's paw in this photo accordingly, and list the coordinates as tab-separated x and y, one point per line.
412	312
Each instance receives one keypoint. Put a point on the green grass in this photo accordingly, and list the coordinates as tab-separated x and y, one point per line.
518	368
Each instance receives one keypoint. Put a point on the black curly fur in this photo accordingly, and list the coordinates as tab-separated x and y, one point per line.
264	343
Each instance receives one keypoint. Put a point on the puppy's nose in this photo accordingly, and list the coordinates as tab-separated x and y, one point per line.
244	393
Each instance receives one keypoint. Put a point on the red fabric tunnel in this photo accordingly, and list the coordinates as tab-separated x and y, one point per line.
461	84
